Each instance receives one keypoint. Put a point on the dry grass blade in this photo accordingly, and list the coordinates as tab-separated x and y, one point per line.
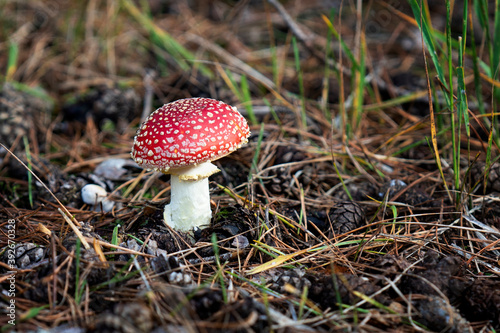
433	123
232	61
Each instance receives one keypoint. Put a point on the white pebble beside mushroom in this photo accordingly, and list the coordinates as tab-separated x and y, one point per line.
95	195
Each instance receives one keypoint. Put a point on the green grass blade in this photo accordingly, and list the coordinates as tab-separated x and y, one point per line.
181	55
273	112
343	45
78	253
228	77
275	64
30	166
121	275
344	186
455	118
220	271
114	237
475	67
462	104
302	303
301	82
462	43
424	27
255	159
34	91
242	91
328	60
449	55
32	312
495	61
12	60
373	302
481	8
360	88
336	287
247	99
449	58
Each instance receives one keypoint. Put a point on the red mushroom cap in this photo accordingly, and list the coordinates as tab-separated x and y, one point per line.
187	132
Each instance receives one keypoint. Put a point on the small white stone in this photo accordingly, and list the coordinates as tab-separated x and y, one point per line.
93	194
240	242
107	205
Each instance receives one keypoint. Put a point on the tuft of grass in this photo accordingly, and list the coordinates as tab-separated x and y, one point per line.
453	85
493	72
359	84
422	19
344	47
242	92
335	283
161	38
328	64
458	113
351	121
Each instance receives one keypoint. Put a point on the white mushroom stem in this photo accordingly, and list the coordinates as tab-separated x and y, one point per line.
189	197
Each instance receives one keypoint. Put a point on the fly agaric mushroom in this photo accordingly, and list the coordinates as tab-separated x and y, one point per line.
181	139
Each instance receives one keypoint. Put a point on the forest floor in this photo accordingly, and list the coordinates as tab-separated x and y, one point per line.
356	206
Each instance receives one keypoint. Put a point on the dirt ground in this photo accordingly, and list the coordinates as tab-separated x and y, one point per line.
334	217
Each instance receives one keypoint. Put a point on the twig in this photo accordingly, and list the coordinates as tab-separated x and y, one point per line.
222	257
296	30
77	231
105	244
141	272
96	160
279	318
231	60
306	38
